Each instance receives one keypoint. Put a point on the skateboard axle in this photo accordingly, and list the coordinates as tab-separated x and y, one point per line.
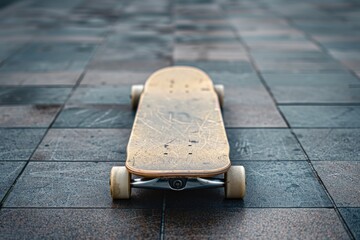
177	184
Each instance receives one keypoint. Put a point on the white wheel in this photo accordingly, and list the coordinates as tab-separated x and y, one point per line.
219	89
120	183
136	91
235	184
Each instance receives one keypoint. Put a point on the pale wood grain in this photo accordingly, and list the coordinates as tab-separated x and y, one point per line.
178	129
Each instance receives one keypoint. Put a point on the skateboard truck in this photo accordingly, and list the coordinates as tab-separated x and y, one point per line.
233	182
177	184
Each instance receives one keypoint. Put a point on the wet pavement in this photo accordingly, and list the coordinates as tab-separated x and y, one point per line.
291	71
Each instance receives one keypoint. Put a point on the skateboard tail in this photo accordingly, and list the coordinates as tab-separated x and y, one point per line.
177	173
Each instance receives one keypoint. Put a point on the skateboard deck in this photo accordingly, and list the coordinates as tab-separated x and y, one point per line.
178	129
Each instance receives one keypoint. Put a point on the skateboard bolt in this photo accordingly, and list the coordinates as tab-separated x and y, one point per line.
177	184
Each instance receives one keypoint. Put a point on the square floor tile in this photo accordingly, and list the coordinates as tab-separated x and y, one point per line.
95	116
322	116
7	48
120	78
312	94
314	88
210	51
219	66
28	115
133	65
72	33
141	40
39	78
254	224
263	144
330	144
310	79
283	56
283	184
103	95
235	80
252	116
248	94
352	219
50	57
83	145
279	36
284	45
345	46
80	223
8	173
341	179
19	144
128	56
250	105
202	27
74	184
33	95
299	66
203	39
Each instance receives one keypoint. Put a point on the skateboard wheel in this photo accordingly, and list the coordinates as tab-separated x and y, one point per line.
235	185
219	89
136	91
120	183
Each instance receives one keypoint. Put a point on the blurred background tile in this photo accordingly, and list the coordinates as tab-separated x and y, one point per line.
83	145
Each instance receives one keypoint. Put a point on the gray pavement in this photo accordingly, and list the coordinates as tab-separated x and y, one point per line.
291	72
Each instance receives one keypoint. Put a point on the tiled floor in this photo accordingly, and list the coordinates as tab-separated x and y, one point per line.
291	72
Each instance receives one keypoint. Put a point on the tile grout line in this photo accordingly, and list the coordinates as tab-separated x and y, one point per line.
162	222
6	59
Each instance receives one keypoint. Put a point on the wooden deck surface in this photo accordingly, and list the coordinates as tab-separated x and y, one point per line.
178	128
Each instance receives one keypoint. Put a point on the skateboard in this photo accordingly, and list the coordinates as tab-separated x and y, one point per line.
178	140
